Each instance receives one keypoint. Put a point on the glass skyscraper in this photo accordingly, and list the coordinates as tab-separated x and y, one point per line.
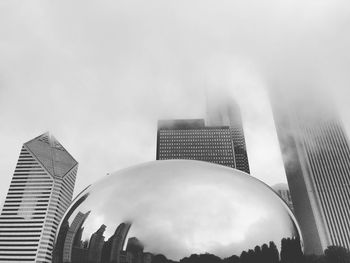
316	157
40	192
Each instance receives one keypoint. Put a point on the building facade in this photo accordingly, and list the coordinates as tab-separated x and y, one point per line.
192	140
316	157
40	192
224	111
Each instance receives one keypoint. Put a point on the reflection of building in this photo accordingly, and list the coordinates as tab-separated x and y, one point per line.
225	111
74	233
96	244
147	257
125	257
113	247
283	191
316	156
41	190
191	139
135	249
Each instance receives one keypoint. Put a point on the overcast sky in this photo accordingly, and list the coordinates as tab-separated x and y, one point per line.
98	75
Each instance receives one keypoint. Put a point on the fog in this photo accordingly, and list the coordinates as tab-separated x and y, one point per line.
100	75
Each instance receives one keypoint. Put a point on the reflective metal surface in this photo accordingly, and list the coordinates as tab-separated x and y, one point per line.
172	208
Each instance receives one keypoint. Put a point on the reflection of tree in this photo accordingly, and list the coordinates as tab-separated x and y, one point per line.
232	259
334	254
202	258
96	250
313	259
291	251
159	259
260	254
272	253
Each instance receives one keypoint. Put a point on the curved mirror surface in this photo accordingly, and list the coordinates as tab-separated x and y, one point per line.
166	211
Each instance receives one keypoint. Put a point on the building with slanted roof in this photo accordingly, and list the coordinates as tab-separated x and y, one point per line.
40	192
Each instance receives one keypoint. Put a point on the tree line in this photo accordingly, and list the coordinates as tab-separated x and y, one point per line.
291	252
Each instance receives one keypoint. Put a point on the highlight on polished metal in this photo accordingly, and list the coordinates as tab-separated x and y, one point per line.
170	210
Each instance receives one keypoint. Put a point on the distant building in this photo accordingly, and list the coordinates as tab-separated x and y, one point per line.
224	111
316	157
283	191
192	140
40	192
218	139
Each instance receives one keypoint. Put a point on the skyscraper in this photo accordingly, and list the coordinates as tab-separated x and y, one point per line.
191	139
316	156
224	111
219	139
40	192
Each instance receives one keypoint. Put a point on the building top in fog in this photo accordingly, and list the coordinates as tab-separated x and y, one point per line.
181	124
41	189
191	139
223	110
221	141
316	157
51	154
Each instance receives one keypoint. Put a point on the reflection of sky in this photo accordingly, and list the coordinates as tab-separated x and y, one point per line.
182	207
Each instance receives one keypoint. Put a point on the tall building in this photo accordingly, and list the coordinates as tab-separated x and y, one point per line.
191	139
316	157
224	111
40	192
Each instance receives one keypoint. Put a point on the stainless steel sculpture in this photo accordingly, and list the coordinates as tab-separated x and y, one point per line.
172	208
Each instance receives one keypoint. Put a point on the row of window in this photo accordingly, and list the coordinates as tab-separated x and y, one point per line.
195	131
194	143
194	153
199	136
191	157
196	148
194	140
